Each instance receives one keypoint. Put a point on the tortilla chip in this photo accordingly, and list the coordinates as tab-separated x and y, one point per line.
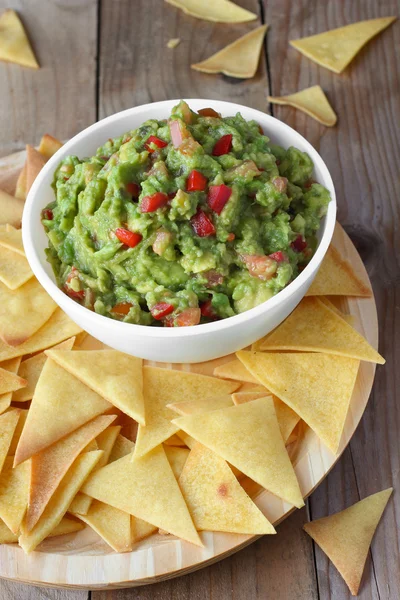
173	43
50	465
61	403
30	370
249	438
11	209
34	164
126	482
318	387
111	524
58	328
12	240
141	529
335	49
14	490
192	407
174	440
186	439
6	535
121	381
14	269
59	502
176	458
313	327
49	145
23	415
65	527
235	370
312	101
220	11
337	278
8	423
23	312
287	418
346	536
20	186
11	365
348	318
215	498
14	43
121	448
239	59
163	386
10	382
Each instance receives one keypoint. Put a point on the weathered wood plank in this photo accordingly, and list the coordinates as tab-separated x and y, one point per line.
362	153
59	98
18	591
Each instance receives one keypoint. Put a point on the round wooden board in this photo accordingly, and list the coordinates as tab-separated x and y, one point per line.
83	560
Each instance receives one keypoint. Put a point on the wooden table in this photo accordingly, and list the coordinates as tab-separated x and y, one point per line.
99	57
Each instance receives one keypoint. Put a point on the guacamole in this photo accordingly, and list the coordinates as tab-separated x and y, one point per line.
183	221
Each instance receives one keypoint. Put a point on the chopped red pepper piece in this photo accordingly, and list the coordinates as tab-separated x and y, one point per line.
122	308
207	310
223	145
153	202
133	189
209	112
278	256
218	196
196	182
156	142
161	310
129	238
299	244
188	317
47	214
202	224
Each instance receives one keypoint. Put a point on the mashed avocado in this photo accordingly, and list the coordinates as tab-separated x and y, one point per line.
183	221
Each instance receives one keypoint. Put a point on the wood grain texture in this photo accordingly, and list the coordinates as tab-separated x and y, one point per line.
9	590
59	98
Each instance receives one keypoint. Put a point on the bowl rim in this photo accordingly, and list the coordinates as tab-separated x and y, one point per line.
174	332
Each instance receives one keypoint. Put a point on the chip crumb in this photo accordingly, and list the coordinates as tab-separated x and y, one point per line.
173	43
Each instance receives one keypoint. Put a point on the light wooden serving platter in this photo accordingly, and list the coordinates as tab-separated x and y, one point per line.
83	560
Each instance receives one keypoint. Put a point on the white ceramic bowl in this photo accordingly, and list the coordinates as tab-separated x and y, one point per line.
186	344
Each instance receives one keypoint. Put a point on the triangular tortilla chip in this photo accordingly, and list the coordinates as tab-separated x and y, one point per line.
163	386
8	423
287	418
318	387
236	371
335	49
187	439
23	311
348	318
248	437
220	11
61	403
12	240
192	407
14	43
121	448
65	527
14	269
313	327
215	498
239	59
50	465
61	499
14	490
312	101
176	458
11	365
111	524
10	382
126	482
11	209
34	164
346	536
30	370
121	381
23	415
141	529
58	328
337	278
49	145
6	535
20	186
174	440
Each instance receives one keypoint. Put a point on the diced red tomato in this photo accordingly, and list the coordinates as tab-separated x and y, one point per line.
133	189
280	183
153	202
218	196
161	310
223	145
153	139
299	244
202	224
188	317
47	214
213	278
196	182
278	256
260	266
208	112
231	237
129	238
122	308
207	310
